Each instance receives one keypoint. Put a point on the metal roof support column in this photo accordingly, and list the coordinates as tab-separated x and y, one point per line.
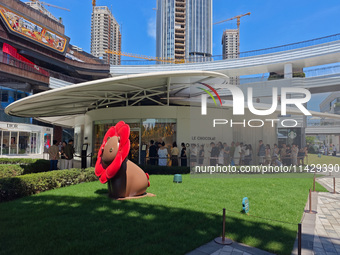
288	71
168	90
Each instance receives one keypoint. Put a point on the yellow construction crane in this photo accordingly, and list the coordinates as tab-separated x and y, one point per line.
94	3
238	17
132	55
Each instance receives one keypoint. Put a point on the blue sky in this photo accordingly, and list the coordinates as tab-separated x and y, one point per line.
271	23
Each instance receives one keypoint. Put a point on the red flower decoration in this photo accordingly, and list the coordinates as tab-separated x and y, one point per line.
123	131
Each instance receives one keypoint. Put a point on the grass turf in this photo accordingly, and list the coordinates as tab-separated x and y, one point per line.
81	219
314	159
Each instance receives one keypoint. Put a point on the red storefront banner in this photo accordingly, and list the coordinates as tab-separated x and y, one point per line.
10	50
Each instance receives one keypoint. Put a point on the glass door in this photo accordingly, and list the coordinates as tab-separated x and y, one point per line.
34	136
24	142
134	154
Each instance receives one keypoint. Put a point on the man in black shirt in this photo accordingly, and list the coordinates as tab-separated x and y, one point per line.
152	153
214	154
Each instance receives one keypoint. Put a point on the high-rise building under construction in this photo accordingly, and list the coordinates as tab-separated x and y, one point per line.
105	35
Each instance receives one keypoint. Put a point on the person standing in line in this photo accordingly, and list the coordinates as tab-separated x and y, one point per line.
334	150
221	154
183	155
162	155
193	155
174	154
261	152
53	152
226	154
62	155
69	151
152	153
201	155
250	148
295	152
214	154
288	155
283	154
268	155
232	152
237	154
246	155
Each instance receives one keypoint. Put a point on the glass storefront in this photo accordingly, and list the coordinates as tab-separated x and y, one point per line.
17	142
142	131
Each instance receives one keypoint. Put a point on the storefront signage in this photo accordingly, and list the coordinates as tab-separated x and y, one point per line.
200	138
22	26
12	125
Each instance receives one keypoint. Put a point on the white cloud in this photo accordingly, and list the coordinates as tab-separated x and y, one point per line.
152	28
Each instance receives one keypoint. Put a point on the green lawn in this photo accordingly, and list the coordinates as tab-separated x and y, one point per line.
81	219
314	159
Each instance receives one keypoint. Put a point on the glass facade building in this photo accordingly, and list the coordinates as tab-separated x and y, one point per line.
184	29
199	30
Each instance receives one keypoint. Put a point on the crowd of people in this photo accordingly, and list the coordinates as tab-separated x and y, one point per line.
220	153
328	150
62	152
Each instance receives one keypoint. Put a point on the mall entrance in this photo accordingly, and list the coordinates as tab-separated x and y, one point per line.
135	140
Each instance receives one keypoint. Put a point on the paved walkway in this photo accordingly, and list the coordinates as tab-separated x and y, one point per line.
327	223
213	248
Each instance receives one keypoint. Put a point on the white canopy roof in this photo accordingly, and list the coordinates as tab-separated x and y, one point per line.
124	90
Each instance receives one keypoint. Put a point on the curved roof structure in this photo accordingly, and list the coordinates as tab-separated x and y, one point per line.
127	90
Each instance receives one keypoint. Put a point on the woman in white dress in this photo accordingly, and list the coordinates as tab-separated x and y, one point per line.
162	155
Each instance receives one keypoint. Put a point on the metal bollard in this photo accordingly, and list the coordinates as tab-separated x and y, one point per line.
299	238
334	192
223	240
310	203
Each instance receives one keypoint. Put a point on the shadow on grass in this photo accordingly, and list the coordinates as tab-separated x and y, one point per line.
41	165
98	225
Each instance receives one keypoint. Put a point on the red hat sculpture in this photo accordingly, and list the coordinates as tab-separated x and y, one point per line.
125	179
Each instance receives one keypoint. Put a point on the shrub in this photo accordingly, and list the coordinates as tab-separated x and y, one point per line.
311	150
26	185
11	170
20	161
7	170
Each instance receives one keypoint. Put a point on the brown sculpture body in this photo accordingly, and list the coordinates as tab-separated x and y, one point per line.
125	179
130	181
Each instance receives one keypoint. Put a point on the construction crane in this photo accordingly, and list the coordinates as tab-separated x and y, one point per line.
132	55
238	17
